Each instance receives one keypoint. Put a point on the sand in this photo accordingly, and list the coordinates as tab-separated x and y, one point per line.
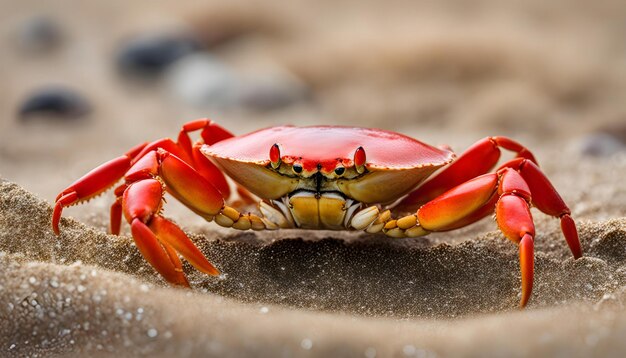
548	75
296	294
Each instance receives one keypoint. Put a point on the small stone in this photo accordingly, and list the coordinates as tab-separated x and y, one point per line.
370	352
152	333
39	34
149	56
265	94
204	82
306	344
600	145
409	350
54	103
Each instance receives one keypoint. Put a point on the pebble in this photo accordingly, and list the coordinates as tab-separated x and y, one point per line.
148	56
54	102
370	352
39	34
306	344
204	82
600	145
265	94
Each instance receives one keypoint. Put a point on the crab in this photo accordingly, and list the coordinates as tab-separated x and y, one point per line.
319	177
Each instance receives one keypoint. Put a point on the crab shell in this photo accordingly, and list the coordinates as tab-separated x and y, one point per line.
395	164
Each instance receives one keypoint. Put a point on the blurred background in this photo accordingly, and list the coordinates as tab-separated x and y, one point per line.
84	81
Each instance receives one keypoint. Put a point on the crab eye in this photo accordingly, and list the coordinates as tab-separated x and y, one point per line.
275	156
340	170
359	160
297	168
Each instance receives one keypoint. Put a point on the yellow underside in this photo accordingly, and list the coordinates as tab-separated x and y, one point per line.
325	212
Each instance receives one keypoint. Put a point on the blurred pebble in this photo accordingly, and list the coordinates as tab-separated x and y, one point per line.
600	145
54	102
39	34
203	81
271	93
148	56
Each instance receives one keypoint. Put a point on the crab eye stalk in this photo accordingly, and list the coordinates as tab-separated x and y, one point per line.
297	168
275	156
339	171
359	160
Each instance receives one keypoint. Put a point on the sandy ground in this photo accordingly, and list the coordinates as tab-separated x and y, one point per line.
545	74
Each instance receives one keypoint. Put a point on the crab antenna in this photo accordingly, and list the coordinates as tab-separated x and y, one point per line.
359	160
275	156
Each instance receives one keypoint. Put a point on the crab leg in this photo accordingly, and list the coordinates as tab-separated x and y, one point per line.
478	159
90	185
139	199
211	133
106	175
547	199
142	202
505	190
188	186
512	213
116	210
199	195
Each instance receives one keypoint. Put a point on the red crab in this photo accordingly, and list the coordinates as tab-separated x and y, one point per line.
319	177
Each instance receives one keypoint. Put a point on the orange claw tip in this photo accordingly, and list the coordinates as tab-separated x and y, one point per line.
150	248
56	217
170	234
527	266
571	235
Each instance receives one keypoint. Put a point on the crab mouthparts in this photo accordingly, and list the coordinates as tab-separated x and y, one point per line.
318	181
318	184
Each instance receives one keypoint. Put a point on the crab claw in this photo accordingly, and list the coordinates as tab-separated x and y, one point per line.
527	266
471	200
167	232
157	238
516	223
160	256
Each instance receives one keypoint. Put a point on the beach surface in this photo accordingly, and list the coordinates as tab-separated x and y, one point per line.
551	76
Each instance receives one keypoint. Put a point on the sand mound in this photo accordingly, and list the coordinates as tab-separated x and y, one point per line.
391	297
